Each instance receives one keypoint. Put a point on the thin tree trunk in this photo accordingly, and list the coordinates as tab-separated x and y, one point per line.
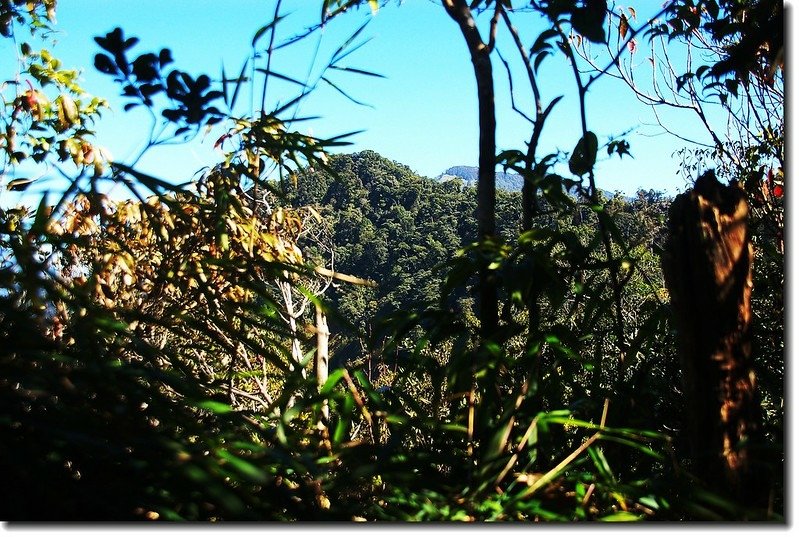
480	53
322	356
708	270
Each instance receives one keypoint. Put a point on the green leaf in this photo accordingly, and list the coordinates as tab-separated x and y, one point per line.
112	325
244	467
535	235
344	408
339	54
332	380
601	464
214	406
621	516
42	216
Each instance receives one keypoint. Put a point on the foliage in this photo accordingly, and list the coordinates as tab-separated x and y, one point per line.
734	70
155	350
46	114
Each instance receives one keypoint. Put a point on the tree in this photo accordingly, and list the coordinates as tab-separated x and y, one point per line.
480	53
708	269
156	339
143	315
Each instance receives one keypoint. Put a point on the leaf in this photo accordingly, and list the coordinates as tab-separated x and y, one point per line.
620	147
536	234
621	516
541	42
358	71
732	86
214	406
241	78
165	57
42	218
343	424
550	106
104	64
275	74
67	111
337	55
584	155
589	20
245	468
153	183
344	93
332	380
624	26
601	463
19	185
263	29
540	58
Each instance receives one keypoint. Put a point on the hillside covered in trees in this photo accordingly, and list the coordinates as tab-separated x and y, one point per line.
300	333
402	231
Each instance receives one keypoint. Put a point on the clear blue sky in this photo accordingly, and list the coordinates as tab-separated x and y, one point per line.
423	114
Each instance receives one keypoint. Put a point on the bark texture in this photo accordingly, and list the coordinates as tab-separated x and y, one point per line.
708	271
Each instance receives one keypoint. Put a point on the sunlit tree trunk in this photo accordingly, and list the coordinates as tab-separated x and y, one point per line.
708	270
322	356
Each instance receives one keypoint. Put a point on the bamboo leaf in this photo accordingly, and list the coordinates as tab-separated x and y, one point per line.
275	74
265	28
357	71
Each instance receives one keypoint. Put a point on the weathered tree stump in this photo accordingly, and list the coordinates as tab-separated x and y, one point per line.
708	271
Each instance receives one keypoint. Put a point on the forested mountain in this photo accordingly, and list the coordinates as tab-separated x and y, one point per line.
300	335
400	230
405	233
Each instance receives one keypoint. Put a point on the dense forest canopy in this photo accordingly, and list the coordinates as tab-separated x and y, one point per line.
303	333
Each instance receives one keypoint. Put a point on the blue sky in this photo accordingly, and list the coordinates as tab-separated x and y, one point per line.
423	114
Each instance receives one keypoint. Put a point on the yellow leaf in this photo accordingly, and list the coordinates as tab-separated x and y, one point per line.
67	111
315	214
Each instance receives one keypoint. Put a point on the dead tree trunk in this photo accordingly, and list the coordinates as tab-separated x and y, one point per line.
708	271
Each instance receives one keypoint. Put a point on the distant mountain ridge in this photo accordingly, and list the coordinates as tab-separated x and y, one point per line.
510	182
